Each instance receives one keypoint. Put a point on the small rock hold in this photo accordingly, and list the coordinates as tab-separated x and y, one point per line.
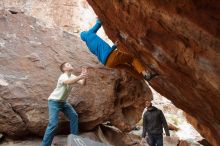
33	57
15	10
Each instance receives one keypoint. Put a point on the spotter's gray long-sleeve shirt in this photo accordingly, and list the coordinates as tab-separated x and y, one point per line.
154	121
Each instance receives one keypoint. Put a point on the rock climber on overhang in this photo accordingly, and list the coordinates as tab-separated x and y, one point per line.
112	56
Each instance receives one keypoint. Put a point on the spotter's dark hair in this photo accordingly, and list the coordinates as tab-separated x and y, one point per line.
62	65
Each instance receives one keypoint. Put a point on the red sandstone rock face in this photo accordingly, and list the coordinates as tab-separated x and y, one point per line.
205	131
179	39
30	56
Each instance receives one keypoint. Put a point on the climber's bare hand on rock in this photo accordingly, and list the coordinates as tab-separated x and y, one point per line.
84	73
116	43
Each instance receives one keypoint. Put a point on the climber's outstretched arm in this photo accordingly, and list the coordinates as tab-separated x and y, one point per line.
96	27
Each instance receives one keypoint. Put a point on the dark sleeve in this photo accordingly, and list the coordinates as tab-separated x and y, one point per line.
96	27
144	126
165	126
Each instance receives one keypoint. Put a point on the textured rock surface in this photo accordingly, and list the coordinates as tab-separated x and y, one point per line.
179	39
32	141
68	14
114	136
72	16
205	131
30	56
117	139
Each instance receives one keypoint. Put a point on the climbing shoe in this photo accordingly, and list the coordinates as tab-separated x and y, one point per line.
150	76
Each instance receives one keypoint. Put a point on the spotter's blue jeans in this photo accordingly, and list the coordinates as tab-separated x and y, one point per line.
54	108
